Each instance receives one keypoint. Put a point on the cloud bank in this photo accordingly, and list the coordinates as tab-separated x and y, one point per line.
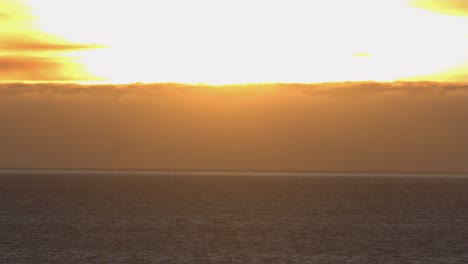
404	126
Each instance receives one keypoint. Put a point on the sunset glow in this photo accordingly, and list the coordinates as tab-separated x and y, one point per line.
223	42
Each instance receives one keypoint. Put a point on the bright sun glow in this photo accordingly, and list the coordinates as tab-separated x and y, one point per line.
245	41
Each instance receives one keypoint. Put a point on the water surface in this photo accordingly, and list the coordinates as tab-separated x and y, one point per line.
97	217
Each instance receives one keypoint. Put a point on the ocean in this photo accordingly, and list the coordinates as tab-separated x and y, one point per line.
64	216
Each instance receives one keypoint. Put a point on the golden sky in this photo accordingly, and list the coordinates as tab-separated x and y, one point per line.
242	41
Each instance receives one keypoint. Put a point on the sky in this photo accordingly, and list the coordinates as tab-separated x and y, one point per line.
235	85
225	42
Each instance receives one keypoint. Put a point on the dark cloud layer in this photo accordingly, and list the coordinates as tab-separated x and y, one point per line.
337	126
31	44
39	68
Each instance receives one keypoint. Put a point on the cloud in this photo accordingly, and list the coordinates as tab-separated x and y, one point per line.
29	44
403	126
28	54
448	7
5	16
336	90
36	68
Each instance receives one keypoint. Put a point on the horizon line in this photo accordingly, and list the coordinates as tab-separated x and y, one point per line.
239	172
93	83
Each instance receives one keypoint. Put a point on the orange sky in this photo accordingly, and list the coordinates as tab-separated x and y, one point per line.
327	101
223	42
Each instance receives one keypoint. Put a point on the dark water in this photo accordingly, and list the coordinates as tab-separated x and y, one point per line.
232	219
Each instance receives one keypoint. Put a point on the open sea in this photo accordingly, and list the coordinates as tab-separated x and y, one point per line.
215	217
